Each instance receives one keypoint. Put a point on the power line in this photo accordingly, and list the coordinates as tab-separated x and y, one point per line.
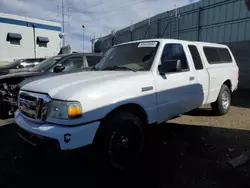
87	6
108	11
112	12
93	4
115	8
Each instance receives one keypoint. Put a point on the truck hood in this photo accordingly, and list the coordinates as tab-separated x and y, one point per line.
43	75
6	70
64	86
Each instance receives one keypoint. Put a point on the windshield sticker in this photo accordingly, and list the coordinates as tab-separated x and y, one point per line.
147	45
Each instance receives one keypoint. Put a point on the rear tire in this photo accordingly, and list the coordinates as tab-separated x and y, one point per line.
119	140
223	103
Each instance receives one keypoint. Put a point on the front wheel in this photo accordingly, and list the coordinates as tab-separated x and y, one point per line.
121	139
223	103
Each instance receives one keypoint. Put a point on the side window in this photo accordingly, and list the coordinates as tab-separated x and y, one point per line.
224	55
175	52
212	55
217	55
196	57
72	63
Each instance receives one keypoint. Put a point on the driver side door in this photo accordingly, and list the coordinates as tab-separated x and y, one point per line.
70	64
174	89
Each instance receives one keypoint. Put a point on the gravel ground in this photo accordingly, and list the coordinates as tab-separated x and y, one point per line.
189	151
237	118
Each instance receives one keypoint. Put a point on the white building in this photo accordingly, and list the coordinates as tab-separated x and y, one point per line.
22	37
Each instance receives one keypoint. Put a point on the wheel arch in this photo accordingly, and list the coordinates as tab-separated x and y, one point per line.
130	107
133	107
228	83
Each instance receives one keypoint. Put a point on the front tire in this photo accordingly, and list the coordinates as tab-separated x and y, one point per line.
223	103
120	140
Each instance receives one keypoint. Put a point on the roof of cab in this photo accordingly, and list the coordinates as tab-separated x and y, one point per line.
174	40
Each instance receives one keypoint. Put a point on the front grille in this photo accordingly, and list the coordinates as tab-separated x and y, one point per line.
34	105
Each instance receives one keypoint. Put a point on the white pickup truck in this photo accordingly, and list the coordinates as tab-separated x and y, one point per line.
134	85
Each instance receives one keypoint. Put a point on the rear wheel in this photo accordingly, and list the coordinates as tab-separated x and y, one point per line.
223	103
120	140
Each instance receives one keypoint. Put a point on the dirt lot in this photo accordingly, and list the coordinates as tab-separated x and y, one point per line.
190	151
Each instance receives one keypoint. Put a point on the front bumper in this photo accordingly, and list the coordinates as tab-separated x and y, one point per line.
66	138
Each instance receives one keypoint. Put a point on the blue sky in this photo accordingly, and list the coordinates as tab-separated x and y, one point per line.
99	16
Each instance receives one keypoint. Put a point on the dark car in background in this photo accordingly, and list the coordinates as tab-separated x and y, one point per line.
11	82
21	63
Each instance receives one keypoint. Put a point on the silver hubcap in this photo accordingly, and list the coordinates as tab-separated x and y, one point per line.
225	100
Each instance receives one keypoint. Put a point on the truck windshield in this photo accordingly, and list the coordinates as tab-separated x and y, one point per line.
46	64
137	56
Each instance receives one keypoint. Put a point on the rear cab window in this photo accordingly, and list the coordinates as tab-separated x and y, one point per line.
217	55
224	55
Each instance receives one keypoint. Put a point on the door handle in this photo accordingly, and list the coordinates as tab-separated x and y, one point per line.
191	78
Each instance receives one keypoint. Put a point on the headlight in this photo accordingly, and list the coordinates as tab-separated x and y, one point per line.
65	110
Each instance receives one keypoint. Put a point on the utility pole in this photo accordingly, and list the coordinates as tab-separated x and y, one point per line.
62	14
34	37
63	22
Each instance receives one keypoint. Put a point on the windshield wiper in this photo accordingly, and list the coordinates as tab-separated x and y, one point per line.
119	67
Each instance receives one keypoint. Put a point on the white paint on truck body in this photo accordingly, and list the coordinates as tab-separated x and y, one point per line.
161	96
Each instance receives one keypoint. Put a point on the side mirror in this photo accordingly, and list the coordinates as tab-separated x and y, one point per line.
169	66
58	68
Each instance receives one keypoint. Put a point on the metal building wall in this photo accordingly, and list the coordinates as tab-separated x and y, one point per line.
221	21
